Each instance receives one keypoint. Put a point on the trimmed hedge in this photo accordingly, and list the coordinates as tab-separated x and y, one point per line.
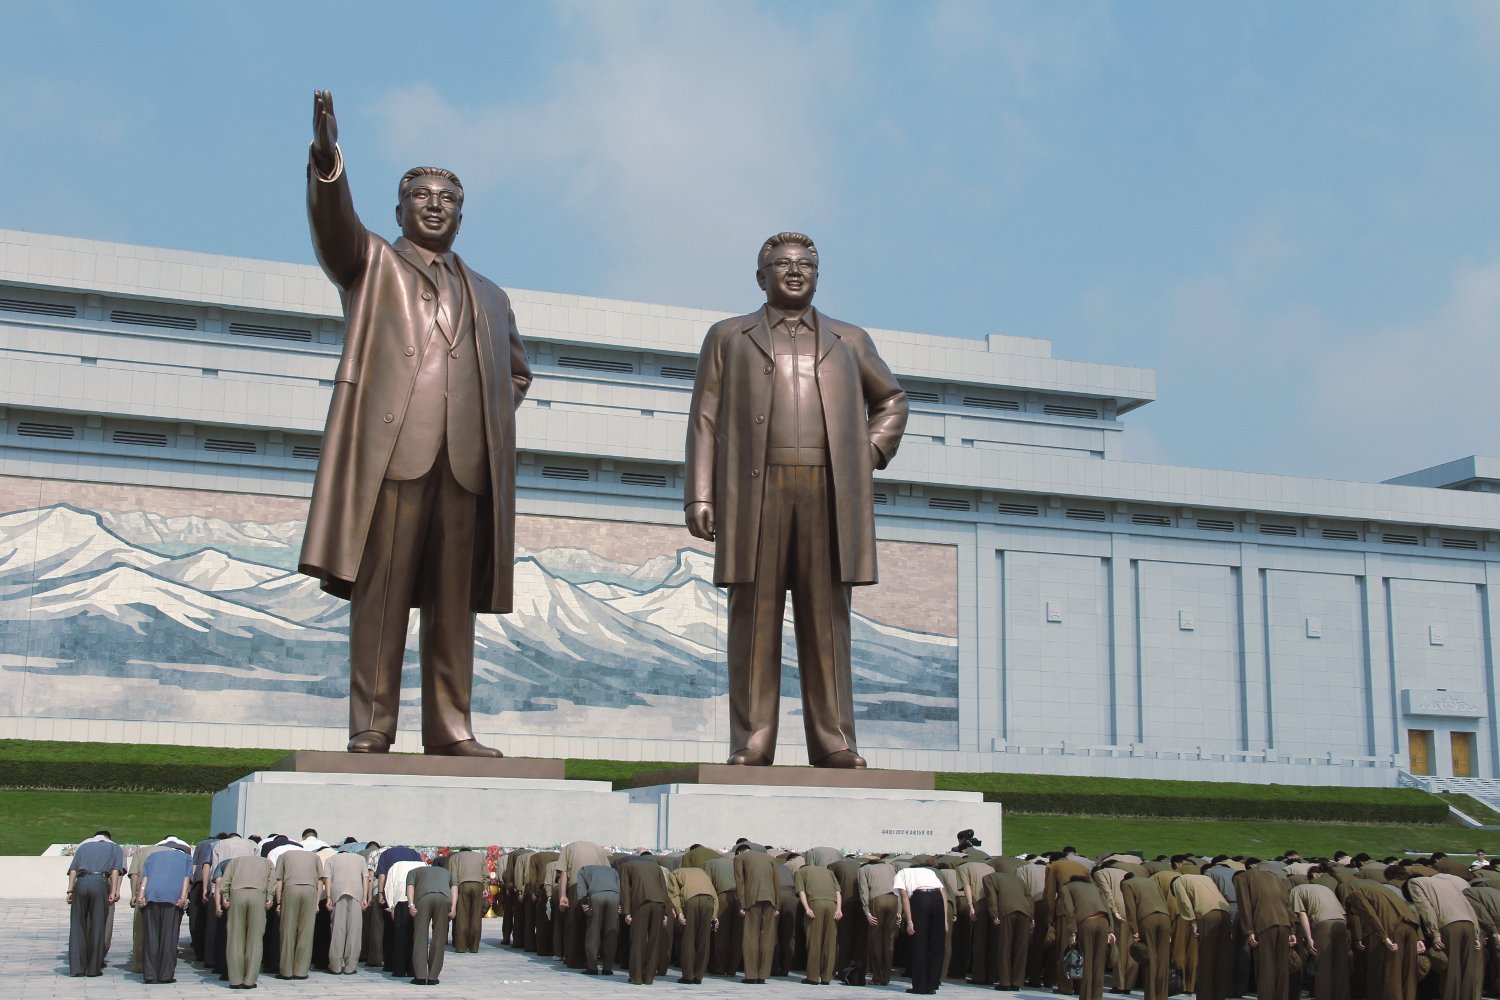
1039	793
126	766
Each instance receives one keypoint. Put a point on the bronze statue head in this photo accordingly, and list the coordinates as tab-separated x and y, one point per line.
787	270
430	207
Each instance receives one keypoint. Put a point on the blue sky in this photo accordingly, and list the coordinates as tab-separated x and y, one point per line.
1290	210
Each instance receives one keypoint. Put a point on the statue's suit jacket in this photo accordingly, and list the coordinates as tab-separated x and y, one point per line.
729	424
391	308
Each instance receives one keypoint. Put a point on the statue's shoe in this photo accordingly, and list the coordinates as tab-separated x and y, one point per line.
369	742
463	748
841	758
752	758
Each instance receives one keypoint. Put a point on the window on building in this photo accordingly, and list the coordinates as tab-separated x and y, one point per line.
1463	754
1419	750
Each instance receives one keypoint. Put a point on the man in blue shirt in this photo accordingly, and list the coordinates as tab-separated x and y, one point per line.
93	889
162	898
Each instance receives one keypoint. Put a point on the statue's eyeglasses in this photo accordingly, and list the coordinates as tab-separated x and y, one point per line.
794	264
423	193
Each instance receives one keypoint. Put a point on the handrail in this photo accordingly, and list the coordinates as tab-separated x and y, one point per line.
1268	755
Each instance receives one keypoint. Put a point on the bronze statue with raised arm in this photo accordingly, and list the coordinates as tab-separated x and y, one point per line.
792	412
414	501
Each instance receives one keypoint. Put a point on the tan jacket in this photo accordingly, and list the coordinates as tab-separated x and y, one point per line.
755	879
863	405
1439	902
392	310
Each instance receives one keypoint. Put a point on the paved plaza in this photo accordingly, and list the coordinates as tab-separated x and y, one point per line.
33	966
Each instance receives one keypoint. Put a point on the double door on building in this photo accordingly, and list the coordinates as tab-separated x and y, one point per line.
1422	752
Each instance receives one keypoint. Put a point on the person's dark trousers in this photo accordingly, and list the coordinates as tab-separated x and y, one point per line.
928	916
729	938
1009	947
852	937
372	936
322	936
468	921
697	934
602	934
163	928
398	950
212	931
622	947
1093	942
668	944
425	538
575	927
797	550
430	935
980	933
1465	964
1272	959
786	934
645	942
1239	977
881	938
1331	979
270	948
195	910
507	915
221	946
960	945
527	921
1216	955
87	942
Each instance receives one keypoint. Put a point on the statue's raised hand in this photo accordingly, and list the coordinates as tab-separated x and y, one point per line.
325	132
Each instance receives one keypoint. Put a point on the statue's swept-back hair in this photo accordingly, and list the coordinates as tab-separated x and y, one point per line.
416	172
781	239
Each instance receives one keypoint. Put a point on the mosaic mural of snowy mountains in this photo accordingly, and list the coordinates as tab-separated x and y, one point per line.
205	605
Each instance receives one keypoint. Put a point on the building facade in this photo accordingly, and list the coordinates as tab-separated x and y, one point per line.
1044	606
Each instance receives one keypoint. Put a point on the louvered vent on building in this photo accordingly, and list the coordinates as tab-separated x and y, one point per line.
31	429
917	396
882	498
311	451
1394	539
654	479
1082	514
1285	530
272	332
1341	534
563	472
140	439
1058	410
38	308
686	374
1214	524
153	319
229	447
991	404
597	365
1020	509
1460	543
1158	520
948	503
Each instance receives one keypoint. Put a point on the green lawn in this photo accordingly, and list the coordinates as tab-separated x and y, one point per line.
1095	834
31	820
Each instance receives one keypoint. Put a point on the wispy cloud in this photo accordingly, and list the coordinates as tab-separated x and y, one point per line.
685	133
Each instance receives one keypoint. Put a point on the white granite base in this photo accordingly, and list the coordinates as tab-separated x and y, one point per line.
396	809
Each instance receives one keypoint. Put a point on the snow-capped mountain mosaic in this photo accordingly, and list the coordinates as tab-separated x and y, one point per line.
134	614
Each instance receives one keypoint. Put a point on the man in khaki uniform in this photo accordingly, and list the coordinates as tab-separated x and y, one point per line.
1108	878
1149	917
758	888
821	899
1266	916
696	904
245	891
1060	871
538	891
578	854
1012	916
298	875
971	876
471	871
877	891
728	945
346	891
1451	927
1200	903
431	899
645	900
513	927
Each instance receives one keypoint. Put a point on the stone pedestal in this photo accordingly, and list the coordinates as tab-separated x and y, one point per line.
795	808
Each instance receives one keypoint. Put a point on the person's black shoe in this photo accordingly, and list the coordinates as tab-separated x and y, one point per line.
432	982
296	977
280	976
590	972
809	982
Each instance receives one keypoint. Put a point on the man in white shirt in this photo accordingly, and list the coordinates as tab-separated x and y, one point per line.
924	902
311	842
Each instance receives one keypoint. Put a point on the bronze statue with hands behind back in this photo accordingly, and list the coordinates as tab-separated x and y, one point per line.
414	501
792	412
